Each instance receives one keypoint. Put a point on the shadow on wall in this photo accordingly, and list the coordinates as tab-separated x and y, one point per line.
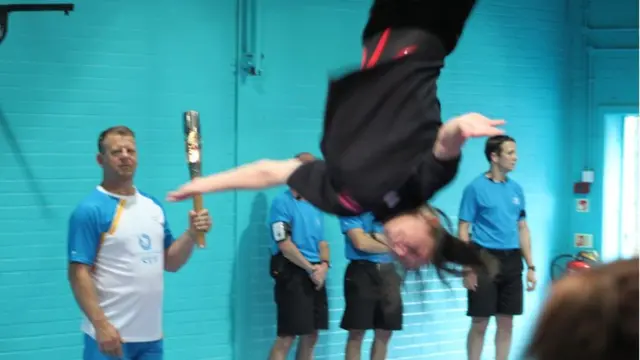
28	175
253	329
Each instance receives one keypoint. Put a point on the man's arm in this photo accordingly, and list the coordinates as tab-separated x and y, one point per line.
366	242
323	246
325	257
291	251
84	293
256	175
467	212
525	242
177	252
524	233
319	274
353	227
83	240
324	251
463	231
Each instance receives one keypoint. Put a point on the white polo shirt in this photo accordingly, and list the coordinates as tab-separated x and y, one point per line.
123	238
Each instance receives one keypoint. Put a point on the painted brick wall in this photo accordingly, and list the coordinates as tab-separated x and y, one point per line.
604	81
65	79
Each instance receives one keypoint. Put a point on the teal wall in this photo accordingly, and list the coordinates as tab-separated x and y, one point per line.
142	63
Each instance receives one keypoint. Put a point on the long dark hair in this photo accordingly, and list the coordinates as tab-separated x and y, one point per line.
452	254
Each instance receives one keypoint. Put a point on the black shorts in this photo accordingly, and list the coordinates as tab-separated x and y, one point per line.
372	297
301	308
504	294
443	17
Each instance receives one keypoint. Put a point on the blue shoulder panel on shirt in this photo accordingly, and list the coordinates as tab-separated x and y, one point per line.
91	218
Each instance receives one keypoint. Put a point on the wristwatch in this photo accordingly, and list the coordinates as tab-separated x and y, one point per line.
532	268
326	262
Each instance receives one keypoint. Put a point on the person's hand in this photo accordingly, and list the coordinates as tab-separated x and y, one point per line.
454	133
470	280
531	280
315	278
319	275
109	340
199	221
190	189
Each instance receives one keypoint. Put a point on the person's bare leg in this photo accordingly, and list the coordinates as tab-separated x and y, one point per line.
475	338
354	345
281	347
380	344
306	344
504	324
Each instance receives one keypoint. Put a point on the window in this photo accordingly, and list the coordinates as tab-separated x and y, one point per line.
621	186
630	194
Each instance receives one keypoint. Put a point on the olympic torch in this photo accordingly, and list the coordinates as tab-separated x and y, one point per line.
194	158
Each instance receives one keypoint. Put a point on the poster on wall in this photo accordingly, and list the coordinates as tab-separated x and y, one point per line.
582	205
583	240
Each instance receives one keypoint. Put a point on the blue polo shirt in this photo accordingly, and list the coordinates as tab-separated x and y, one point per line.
367	223
493	209
305	220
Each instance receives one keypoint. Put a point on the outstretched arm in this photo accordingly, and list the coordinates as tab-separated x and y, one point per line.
256	175
441	165
453	134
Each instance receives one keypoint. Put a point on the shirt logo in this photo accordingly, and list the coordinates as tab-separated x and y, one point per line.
392	199
145	242
516	201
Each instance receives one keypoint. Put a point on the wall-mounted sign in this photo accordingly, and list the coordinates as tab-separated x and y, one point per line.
583	240
582	205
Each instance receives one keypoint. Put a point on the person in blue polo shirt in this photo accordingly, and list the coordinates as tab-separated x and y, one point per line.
371	287
494	206
299	264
